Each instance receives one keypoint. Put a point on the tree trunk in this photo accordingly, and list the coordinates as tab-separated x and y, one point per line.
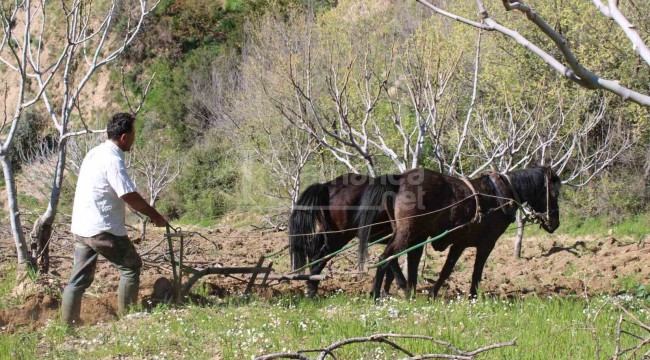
42	230
24	258
520	235
40	236
143	222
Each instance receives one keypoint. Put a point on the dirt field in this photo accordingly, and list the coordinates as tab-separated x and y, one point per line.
554	265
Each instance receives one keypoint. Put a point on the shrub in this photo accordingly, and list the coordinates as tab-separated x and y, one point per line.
202	191
28	138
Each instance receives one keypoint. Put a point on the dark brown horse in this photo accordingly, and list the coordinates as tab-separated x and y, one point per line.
428	203
333	207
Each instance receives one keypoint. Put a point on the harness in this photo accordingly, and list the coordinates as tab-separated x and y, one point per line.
495	178
477	215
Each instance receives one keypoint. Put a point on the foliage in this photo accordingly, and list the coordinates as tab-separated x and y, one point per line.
575	223
7	282
29	138
619	194
635	288
185	39
204	188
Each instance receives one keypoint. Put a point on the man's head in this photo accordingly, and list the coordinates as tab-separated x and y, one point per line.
121	131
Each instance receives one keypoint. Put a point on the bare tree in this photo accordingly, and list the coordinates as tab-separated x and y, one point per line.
156	170
285	152
211	94
87	47
383	93
21	33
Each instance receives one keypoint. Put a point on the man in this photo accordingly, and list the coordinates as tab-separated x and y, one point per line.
103	190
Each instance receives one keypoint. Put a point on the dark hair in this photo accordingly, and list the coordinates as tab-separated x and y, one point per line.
120	123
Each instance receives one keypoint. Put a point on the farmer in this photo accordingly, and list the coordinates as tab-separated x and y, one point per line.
103	190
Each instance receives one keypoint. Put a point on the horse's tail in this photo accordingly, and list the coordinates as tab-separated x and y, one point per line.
302	223
378	196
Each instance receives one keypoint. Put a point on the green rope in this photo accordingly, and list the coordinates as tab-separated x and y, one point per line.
276	253
323	258
380	240
336	253
408	250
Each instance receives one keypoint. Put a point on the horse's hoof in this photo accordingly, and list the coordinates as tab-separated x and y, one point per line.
311	295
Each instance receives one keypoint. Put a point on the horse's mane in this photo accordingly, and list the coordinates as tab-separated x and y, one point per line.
530	183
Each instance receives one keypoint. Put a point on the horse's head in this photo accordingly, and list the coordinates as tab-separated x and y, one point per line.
545	204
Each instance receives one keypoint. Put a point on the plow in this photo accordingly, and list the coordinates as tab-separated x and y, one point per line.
259	275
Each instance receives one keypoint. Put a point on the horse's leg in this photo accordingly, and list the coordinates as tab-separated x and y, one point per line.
413	261
393	247
482	253
332	243
452	258
388	279
312	285
394	272
379	278
397	273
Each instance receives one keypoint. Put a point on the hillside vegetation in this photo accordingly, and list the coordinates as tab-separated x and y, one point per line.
223	102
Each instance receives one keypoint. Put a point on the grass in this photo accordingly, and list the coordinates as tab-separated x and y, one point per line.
544	328
7	284
637	226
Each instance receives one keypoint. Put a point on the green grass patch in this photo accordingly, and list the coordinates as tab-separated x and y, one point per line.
637	226
7	282
19	346
544	328
234	5
188	220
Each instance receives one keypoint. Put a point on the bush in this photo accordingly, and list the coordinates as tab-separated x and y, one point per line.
28	138
203	189
615	195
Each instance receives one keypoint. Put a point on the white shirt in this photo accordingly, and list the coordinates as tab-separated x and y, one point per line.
102	181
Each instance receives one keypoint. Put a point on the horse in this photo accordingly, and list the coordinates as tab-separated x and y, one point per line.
477	212
333	206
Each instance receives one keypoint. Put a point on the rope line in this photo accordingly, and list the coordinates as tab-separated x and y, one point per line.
419	245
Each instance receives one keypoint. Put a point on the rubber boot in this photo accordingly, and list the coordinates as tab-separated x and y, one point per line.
71	306
128	289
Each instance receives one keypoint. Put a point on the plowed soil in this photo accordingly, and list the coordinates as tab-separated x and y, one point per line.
552	265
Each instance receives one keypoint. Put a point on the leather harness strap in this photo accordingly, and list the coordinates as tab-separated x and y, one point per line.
496	180
512	188
477	216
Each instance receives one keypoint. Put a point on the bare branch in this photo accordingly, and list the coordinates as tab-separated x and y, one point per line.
614	13
575	72
387	339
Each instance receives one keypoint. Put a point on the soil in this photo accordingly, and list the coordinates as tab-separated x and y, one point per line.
553	265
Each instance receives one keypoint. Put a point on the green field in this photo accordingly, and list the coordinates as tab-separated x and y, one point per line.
550	328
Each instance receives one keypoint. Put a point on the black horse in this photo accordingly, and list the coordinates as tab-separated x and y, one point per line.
428	203
333	206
